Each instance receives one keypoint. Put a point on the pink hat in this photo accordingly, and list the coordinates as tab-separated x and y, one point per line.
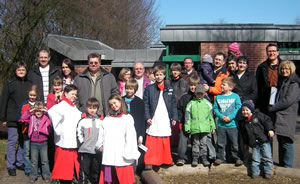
234	47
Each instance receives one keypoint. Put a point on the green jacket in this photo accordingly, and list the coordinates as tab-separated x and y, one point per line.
198	116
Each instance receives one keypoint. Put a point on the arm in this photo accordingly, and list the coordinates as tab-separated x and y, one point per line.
147	99
174	109
4	102
99	143
188	117
210	117
181	110
216	89
206	73
114	85
130	148
80	131
216	109
26	117
237	107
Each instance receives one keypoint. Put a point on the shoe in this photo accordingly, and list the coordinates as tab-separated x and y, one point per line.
180	162
205	163
21	167
27	174
218	162
254	176
238	163
32	181
47	180
195	162
268	176
12	172
148	167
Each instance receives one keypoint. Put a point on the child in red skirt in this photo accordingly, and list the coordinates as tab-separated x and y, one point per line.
160	111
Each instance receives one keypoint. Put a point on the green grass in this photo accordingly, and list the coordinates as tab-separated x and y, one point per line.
3	143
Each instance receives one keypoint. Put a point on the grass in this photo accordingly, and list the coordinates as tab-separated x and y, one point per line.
3	143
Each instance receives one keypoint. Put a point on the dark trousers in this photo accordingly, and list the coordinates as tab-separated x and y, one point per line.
90	165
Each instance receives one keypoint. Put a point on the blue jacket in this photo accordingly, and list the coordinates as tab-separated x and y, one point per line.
151	96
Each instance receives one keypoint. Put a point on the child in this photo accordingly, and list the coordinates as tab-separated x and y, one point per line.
135	106
160	110
199	123
38	130
117	139
87	133
64	117
257	128
206	70
32	95
57	92
225	108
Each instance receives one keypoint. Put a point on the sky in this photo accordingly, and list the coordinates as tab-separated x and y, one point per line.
228	11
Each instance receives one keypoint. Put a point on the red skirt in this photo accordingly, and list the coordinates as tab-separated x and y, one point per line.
64	162
120	174
159	151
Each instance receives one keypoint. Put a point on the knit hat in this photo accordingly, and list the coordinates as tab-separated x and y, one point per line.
249	104
200	89
234	47
207	58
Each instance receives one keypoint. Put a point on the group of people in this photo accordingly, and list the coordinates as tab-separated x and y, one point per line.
89	127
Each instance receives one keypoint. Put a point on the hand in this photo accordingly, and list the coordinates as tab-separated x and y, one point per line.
226	119
4	123
206	87
188	132
58	95
271	133
101	149
173	122
140	140
212	131
149	121
32	110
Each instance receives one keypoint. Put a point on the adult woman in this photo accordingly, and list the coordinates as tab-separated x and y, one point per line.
13	94
245	82
286	108
124	75
68	72
231	64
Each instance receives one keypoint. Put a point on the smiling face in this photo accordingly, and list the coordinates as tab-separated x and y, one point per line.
57	88
92	110
129	92
188	64
38	113
21	72
285	71
192	88
94	65
32	96
242	66
115	105
231	65
71	95
139	70
65	69
176	73
246	112
272	53
127	76
44	59
218	62
159	76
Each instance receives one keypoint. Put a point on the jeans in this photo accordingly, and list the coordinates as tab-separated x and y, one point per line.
26	156
183	153
211	147
286	151
14	154
262	153
39	149
230	134
90	165
199	148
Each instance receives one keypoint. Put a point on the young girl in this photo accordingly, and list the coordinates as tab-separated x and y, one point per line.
32	95
38	131
117	140
57	92
64	117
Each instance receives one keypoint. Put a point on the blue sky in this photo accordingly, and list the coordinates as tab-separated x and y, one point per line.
228	11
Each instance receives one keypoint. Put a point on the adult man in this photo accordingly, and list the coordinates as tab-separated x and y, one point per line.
96	82
43	74
219	74
189	69
267	77
143	81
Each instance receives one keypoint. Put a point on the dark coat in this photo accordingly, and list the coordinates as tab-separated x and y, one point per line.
246	86
36	77
14	93
206	73
137	109
256	130
151	97
180	86
186	76
181	105
286	107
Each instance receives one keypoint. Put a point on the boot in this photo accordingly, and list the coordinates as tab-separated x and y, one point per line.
195	162
205	162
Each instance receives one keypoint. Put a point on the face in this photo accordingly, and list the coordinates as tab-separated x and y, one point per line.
94	64
218	61
32	96
38	113
192	88
127	76
115	105
231	65
65	69
225	87
246	112
92	110
57	88
71	95
159	77
188	64
44	59
175	73
130	92
21	72
199	95
285	71
272	53
242	66
139	70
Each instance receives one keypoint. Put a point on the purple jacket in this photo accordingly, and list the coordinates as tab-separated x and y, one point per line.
43	128
146	83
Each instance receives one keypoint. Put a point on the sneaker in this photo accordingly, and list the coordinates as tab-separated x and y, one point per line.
32	181
195	162
11	172
254	176
238	163
148	167
268	176
47	180
218	162
21	167
180	162
205	163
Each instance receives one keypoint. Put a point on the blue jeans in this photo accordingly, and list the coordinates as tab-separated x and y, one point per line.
286	151
262	153
39	149
14	154
26	156
230	134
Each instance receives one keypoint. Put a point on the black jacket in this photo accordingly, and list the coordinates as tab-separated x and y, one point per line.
180	86
14	93
256	130
36	77
246	86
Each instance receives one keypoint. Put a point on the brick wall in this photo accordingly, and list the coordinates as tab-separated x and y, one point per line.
256	52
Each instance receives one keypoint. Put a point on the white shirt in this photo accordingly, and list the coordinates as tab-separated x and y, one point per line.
139	91
45	79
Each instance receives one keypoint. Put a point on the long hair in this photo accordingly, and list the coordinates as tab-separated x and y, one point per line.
123	108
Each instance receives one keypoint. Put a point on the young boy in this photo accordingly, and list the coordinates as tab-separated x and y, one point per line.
257	128
135	107
225	108
87	134
160	110
199	123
